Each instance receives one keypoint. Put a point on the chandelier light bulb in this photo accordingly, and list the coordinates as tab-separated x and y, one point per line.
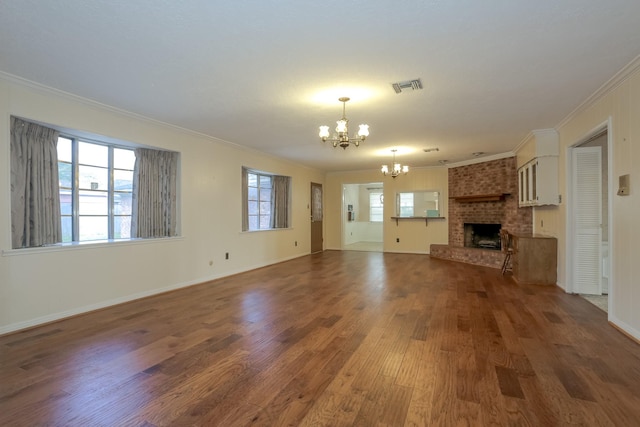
324	132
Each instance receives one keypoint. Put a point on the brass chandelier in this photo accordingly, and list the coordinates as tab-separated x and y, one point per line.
396	168
341	137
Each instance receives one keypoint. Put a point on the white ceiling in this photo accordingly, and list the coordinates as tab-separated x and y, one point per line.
265	74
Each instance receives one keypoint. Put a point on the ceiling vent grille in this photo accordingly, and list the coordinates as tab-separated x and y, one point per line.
399	87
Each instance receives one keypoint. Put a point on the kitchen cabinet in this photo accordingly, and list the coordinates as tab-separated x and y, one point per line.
538	182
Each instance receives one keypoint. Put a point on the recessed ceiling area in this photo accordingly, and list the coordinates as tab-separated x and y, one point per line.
265	75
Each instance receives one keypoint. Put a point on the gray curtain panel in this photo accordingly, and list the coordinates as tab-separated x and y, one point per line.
35	196
154	194
245	200
280	202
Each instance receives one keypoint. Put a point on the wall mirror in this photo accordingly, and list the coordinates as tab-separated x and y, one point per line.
423	203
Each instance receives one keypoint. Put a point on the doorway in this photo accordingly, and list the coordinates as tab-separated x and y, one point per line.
589	210
316	218
362	217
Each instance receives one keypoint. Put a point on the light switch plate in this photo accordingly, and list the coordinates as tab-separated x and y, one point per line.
623	185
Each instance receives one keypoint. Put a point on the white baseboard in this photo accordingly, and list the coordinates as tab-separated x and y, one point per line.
17	326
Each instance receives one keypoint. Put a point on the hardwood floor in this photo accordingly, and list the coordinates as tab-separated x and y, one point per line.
334	339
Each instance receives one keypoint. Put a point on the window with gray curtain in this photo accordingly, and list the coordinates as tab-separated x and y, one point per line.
66	188
35	203
154	194
265	200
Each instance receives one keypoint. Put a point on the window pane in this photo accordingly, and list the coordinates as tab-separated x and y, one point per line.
253	193
122	227
92	178
64	149
64	175
123	159
265	194
66	199
253	208
93	203
265	181
252	179
67	229
253	222
122	180
265	208
93	154
376	214
265	221
94	227
122	203
406	204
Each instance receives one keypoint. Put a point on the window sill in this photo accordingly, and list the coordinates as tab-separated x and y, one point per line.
93	244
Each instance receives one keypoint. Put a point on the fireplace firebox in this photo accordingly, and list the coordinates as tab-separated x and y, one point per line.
484	236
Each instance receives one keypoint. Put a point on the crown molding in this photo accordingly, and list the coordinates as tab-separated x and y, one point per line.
620	77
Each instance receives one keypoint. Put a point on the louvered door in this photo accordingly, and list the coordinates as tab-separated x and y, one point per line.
587	220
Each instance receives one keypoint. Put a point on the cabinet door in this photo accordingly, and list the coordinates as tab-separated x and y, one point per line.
521	187
546	181
538	182
534	181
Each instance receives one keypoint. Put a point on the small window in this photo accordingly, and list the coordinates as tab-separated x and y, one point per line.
406	205
266	199
376	207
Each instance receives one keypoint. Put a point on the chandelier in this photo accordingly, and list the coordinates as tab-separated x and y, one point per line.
396	169
341	137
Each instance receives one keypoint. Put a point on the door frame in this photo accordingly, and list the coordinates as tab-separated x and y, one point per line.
569	186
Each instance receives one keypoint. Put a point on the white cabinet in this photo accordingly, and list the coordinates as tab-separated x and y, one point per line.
538	182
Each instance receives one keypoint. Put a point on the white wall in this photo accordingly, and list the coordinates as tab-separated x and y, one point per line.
39	285
617	104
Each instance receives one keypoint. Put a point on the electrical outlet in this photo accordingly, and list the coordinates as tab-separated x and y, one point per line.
397	240
226	255
296	243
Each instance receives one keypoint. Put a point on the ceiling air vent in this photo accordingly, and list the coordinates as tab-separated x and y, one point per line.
399	87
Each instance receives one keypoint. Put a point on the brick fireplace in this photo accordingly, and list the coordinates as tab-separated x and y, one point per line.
482	193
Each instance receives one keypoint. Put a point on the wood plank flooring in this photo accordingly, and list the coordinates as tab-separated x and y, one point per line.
330	339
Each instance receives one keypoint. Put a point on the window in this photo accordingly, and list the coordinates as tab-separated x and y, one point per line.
96	183
406	204
69	188
266	200
376	207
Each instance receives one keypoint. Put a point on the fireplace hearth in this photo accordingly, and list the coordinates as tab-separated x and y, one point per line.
483	236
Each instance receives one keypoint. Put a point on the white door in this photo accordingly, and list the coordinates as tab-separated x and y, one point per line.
587	220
